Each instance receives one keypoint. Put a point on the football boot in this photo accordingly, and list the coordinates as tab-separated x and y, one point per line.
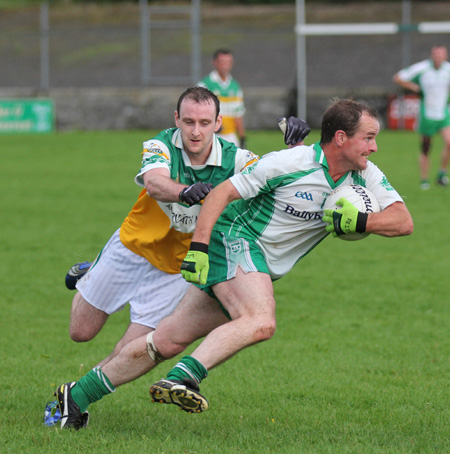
184	393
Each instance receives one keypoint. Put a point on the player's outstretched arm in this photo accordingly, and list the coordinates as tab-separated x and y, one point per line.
161	187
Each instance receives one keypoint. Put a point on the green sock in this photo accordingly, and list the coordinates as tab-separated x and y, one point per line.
188	367
90	388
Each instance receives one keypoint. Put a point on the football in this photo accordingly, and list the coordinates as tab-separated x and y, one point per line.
360	197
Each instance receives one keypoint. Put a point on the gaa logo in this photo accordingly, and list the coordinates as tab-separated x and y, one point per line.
304	195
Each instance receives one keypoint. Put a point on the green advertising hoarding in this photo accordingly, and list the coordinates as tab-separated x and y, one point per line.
26	115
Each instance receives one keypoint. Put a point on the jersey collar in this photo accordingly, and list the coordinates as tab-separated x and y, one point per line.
214	158
214	75
320	155
322	160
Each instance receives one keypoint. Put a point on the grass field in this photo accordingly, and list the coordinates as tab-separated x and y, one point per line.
359	363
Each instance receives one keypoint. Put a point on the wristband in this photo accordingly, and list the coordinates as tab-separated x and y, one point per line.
361	222
201	247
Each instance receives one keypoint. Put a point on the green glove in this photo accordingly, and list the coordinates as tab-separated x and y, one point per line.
195	265
345	220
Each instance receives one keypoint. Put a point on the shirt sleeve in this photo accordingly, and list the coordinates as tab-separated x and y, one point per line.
257	178
244	158
156	155
411	72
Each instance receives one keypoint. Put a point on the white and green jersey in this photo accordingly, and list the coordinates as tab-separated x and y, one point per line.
282	203
434	84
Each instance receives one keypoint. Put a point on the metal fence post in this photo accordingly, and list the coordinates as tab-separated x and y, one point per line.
196	55
301	60
406	35
145	42
45	47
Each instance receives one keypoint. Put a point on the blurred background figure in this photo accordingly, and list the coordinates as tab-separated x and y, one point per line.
431	80
228	90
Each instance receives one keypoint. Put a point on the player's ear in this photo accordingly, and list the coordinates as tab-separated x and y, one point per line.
340	137
218	123
177	119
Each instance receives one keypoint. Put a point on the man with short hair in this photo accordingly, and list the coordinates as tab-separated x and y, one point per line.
140	264
431	80
253	229
229	91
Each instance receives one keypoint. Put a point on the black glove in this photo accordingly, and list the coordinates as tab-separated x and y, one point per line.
195	192
296	130
242	142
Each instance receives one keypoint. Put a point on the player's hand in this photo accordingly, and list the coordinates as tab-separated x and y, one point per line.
345	220
295	130
242	142
195	265
195	192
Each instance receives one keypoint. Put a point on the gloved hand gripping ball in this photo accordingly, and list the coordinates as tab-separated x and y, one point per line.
350	216
347	219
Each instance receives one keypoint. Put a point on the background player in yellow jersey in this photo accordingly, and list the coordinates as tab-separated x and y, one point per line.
140	264
228	90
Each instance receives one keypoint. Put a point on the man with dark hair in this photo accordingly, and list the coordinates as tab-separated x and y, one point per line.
140	264
253	228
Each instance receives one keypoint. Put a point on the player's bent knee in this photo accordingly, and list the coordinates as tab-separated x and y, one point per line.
174	350
264	331
80	336
167	346
170	349
83	332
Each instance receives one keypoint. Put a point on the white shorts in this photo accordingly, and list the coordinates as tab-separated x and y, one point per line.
119	276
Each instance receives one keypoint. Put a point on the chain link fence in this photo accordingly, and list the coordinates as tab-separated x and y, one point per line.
102	46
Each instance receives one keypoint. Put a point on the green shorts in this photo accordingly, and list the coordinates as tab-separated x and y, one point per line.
226	254
431	127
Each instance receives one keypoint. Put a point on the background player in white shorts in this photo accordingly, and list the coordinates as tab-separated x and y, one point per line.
269	187
431	79
141	262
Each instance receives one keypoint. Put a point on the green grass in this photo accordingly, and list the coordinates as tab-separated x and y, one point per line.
359	363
